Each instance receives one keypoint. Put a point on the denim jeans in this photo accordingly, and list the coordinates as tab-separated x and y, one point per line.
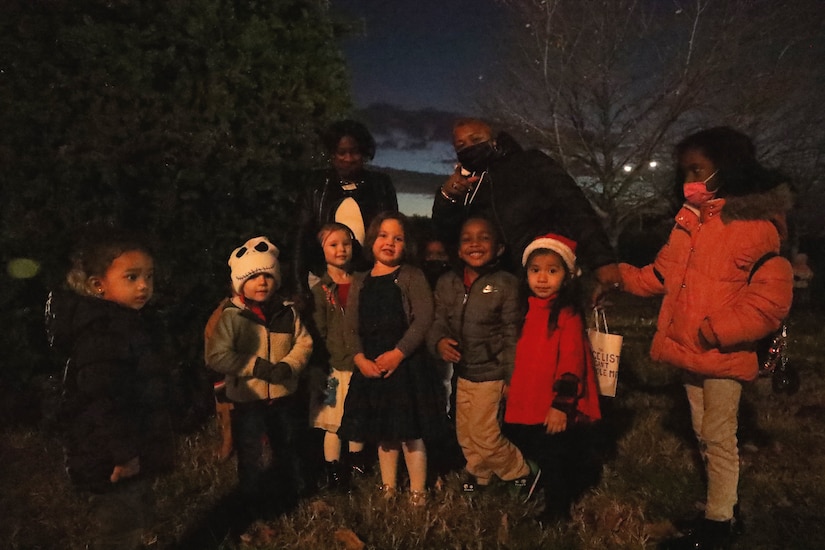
269	470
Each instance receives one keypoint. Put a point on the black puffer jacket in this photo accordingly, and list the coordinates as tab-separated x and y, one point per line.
115	389
528	194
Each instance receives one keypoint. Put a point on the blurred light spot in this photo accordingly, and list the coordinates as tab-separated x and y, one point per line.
22	268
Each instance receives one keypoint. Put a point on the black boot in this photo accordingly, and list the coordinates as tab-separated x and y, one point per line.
337	480
358	464
707	535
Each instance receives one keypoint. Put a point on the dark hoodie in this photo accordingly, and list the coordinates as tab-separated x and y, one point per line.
114	402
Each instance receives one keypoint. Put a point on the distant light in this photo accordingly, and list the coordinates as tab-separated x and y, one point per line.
653	164
22	268
627	168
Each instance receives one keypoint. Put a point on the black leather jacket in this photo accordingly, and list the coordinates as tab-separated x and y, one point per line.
375	194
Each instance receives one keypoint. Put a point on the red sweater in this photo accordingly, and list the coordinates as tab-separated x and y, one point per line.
542	359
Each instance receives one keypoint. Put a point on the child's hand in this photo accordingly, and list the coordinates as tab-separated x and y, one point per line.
277	373
368	368
126	470
388	361
556	421
608	279
448	350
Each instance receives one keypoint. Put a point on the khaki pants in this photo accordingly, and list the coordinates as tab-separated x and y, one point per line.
714	404
486	450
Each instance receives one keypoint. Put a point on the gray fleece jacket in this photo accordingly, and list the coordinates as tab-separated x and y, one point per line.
240	337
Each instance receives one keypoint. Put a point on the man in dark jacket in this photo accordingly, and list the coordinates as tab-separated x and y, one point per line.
526	193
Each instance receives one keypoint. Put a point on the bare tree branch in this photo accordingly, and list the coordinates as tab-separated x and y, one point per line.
607	86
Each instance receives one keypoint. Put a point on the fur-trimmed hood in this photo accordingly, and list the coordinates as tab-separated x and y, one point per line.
772	205
759	206
704	272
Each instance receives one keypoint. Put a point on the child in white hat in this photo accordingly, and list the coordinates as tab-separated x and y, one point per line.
261	346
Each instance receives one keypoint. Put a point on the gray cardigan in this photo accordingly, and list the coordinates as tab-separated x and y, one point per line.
418	306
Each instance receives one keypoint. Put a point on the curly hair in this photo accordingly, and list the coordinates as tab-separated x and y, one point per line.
734	156
349	128
375	226
95	252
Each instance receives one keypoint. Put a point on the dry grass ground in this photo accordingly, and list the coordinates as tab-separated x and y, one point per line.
649	477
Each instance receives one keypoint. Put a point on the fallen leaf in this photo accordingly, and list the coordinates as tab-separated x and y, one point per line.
320	507
504	530
660	530
259	534
350	539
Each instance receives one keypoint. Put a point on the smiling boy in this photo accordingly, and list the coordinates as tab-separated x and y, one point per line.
476	323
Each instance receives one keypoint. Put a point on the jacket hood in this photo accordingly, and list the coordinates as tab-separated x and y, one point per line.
771	205
759	206
506	144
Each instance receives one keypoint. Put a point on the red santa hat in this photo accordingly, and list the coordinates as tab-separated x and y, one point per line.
564	247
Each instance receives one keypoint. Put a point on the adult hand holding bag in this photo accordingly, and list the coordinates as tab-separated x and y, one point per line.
607	350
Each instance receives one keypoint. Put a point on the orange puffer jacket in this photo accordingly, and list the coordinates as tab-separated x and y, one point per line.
703	273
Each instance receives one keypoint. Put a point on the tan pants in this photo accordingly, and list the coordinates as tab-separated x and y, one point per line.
714	404
486	450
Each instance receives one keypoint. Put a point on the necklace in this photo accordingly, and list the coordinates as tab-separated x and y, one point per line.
349	185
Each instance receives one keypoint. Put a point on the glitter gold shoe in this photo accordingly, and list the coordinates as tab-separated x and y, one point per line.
387	492
418	499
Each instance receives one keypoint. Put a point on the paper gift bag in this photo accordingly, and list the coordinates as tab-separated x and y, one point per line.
607	350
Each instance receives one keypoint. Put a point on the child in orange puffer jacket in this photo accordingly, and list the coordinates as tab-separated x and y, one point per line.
714	309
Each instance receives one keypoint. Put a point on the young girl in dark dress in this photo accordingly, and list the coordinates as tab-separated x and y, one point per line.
393	397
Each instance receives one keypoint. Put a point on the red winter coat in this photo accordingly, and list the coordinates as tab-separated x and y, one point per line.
703	273
541	361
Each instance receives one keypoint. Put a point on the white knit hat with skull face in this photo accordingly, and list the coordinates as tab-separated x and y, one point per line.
255	256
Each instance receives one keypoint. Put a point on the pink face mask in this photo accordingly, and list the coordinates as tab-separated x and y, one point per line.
696	192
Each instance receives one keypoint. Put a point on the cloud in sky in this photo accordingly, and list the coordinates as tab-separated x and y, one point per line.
415	68
417	140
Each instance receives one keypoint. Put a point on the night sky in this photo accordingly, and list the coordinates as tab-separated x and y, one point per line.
422	62
418	55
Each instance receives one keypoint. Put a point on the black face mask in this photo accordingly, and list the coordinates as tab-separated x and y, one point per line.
433	269
475	158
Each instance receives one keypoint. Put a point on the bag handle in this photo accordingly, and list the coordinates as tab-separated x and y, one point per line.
596	311
759	263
